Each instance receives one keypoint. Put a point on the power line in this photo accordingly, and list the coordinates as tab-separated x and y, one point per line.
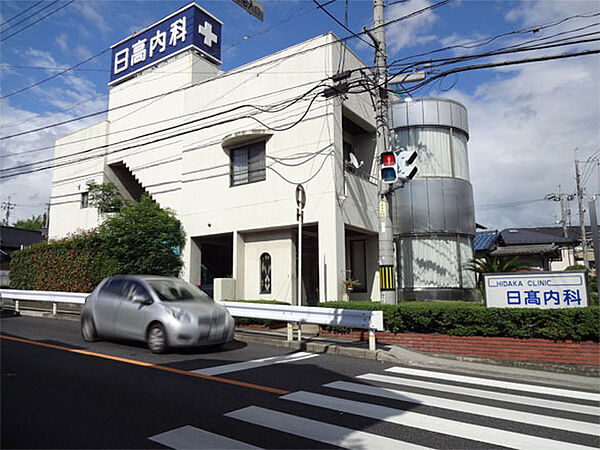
21	13
113	133
489	40
29	16
28	168
37	21
335	19
52	77
501	64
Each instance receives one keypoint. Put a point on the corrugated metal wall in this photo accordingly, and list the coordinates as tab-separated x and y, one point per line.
433	215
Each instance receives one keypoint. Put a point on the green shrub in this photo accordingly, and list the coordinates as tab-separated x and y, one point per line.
141	238
71	264
474	319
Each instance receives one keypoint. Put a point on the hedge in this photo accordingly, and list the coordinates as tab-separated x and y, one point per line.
473	319
71	264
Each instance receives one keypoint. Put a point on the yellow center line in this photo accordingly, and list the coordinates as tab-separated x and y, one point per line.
149	365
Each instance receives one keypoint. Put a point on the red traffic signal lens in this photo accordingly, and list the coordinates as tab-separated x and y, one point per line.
388	159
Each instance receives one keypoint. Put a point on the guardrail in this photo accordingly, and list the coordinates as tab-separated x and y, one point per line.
43	296
352	318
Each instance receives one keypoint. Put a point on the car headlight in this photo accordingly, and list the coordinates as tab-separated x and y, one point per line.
179	314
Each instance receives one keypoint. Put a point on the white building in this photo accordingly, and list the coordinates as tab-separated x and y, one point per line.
225	151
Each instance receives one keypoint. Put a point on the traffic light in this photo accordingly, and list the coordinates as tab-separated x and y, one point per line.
406	170
389	169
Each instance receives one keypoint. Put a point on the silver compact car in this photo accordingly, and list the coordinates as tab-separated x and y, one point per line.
163	312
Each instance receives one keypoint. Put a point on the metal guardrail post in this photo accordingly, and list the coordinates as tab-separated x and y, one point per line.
372	343
54	308
299	332
290	330
17	305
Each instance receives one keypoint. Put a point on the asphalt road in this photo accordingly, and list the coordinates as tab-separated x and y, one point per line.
60	392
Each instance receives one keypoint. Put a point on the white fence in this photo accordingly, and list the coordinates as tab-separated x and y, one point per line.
369	320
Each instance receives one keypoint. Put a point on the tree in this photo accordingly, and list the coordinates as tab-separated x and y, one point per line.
34	223
496	264
105	197
143	238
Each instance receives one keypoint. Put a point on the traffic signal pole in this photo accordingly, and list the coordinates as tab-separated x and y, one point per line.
387	263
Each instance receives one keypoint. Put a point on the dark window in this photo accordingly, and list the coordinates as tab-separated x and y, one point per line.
265	273
134	288
113	287
85	196
248	164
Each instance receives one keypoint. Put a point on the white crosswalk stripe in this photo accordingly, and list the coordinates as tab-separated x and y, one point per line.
472	408
440	412
543	403
449	427
189	437
318	431
245	365
497	383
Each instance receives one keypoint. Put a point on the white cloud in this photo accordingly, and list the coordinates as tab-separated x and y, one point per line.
73	96
40	58
409	33
524	129
89	12
62	40
526	122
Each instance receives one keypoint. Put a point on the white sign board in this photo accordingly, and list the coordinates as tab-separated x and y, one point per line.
547	290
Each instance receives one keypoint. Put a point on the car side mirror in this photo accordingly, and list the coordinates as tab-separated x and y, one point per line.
144	300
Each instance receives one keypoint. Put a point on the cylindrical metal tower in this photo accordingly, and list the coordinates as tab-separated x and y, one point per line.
433	215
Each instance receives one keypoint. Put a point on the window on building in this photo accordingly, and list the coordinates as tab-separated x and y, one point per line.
248	164
265	273
85	198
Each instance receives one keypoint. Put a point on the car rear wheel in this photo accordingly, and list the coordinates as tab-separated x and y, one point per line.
157	338
88	329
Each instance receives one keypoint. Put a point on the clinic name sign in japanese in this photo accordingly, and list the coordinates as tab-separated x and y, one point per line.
191	26
546	290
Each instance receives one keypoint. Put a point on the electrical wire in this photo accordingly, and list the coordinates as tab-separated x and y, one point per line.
37	21
226	74
335	19
502	64
18	91
20	13
29	16
114	133
30	167
489	40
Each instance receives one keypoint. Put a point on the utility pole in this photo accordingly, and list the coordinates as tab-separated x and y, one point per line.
387	263
595	237
7	205
581	214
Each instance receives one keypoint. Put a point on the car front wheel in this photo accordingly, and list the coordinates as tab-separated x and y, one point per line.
88	329
157	339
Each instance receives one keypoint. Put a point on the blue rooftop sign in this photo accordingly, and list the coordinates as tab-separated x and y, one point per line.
191	26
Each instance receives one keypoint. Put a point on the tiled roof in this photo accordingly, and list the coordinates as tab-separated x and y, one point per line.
485	240
532	249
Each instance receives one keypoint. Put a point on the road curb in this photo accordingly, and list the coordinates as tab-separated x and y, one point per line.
585	377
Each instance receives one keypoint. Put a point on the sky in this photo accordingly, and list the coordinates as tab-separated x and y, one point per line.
528	122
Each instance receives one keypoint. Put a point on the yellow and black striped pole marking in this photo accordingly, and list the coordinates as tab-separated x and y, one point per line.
387	278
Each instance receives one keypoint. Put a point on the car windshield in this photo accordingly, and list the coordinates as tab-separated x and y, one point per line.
176	290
